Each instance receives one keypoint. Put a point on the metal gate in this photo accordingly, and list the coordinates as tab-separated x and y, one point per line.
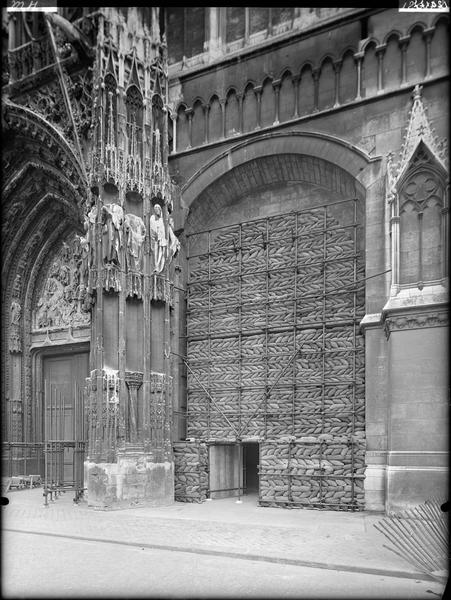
64	441
274	351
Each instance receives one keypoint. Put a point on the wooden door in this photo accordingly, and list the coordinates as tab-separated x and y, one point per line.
64	379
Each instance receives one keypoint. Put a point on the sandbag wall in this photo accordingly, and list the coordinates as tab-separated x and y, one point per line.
275	352
190	471
315	471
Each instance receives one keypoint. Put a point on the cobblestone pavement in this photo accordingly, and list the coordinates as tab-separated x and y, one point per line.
307	537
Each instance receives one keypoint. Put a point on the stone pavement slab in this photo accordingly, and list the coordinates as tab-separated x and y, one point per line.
328	538
44	566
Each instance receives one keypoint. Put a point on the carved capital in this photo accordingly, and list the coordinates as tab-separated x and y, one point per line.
133	379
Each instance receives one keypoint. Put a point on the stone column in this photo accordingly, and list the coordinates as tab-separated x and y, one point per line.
296	83
403	43
337	69
316	74
380	51
174	132
189	112
206	109
215	42
276	86
222	103
358	57
240	98
258	92
427	36
131	243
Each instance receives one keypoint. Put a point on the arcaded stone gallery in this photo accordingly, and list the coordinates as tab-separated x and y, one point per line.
224	255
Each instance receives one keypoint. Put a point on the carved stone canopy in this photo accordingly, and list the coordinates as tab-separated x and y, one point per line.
419	131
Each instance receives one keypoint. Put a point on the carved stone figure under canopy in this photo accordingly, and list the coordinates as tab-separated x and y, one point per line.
112	220
17	287
83	262
16	311
174	244
158	241
14	333
135	232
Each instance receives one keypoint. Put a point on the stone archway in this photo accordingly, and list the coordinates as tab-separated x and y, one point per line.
44	189
350	158
276	269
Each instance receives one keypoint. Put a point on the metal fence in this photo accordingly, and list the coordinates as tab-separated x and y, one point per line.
64	441
22	458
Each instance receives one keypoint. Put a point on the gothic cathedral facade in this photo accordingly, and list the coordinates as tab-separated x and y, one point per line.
224	254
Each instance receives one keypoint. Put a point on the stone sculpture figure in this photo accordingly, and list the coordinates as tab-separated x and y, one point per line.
17	287
174	244
83	263
14	334
135	232
158	241
112	220
65	253
16	311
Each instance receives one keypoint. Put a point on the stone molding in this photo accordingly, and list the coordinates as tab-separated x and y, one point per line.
391	468
402	322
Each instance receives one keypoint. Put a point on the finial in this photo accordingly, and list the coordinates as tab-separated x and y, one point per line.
417	92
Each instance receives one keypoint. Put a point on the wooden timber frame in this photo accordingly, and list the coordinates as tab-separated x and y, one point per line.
275	353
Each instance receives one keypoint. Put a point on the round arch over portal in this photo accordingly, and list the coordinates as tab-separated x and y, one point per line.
329	148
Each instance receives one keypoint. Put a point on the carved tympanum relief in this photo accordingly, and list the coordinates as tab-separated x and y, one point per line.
64	300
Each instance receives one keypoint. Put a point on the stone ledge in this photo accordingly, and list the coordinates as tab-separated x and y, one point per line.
371	320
